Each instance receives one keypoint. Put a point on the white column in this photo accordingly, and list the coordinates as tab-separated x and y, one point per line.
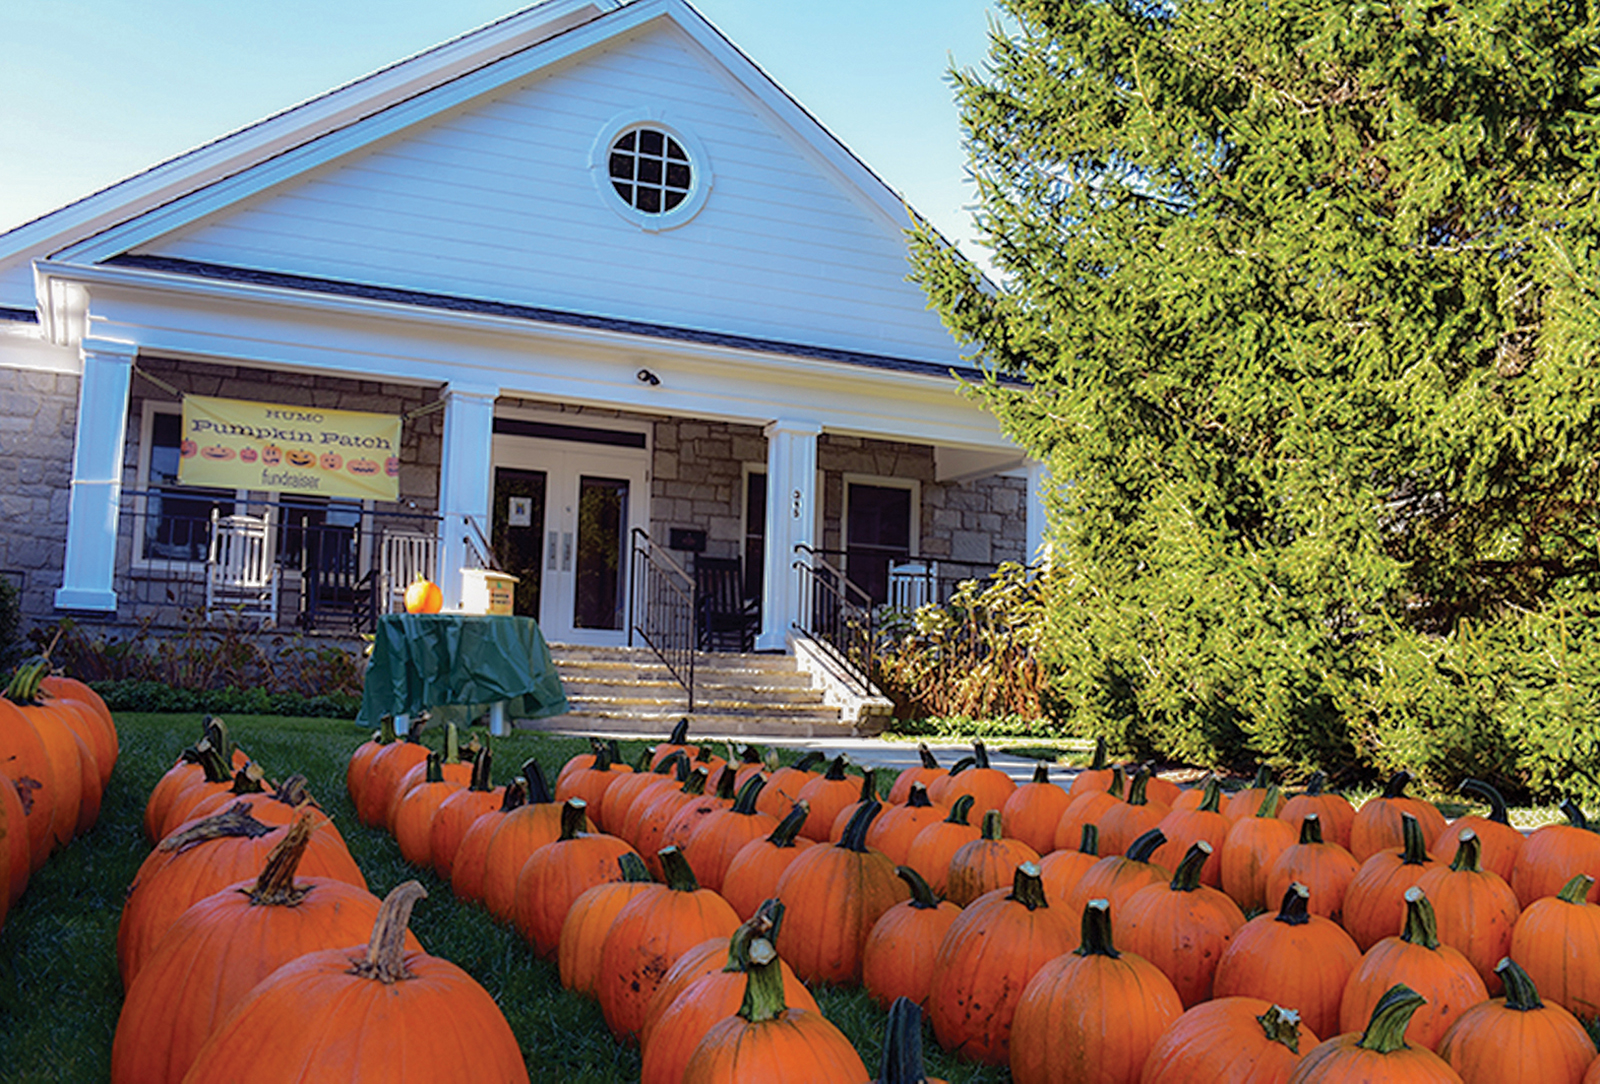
791	514
465	481
91	558
1037	525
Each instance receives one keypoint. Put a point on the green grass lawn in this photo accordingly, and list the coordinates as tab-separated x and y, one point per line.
59	989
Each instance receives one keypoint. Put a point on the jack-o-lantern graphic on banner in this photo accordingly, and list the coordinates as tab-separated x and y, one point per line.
301	449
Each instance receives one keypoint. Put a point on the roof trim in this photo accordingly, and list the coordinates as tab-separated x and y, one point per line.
536	314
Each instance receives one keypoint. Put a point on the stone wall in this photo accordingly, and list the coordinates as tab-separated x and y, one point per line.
38	415
697	481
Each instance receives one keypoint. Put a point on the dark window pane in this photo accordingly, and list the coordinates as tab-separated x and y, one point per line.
622	166
624	190
649	200
627	142
672	198
675	152
678	175
649	171
650	141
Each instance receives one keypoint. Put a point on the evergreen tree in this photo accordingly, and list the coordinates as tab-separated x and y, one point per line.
1305	299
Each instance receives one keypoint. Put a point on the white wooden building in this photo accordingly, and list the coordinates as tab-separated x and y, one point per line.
620	285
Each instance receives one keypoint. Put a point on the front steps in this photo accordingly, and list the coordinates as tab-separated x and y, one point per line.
628	691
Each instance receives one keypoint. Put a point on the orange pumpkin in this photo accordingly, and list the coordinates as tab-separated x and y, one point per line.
1501	842
1325	868
1184	827
1379	1054
470	862
1333	810
930	852
1116	876
1087	808
1062	870
459	811
990	787
925	773
753	875
1232	1040
423	596
520	832
1377	823
1034	809
1517	1039
15	858
894	829
382	1008
589	919
1374	901
715	842
1557	941
1250	848
827	794
897	960
1475	908
1183	927
1125	821
558	873
986	863
1554	854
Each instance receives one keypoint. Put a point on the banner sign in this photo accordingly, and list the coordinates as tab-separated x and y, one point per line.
331	453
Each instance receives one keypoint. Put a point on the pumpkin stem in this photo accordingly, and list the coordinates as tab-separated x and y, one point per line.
989	827
902	1045
1422	925
516	795
216	765
855	832
1311	829
675	867
1146	845
835	770
763	988
1315	784
1521	994
1263	778
1041	773
1576	890
1027	887
1386	1030
680	732
1097	762
764	923
232	822
1187	876
749	754
385	961
1396	787
1089	840
481	763
671	763
1096	936
959	811
1136	791
602	758
1211	795
725	780
1574	814
788	828
574	819
249	780
1414	846
1295	909
869	784
695	785
809	761
1282	1026
1469	853
918	798
275	887
926	754
433	769
1117	783
922	897
745	803
633	869
538	785
294	791
452	744
1268	808
961	765
1497	802
980	755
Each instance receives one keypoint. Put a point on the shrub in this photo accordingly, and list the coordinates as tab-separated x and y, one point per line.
10	623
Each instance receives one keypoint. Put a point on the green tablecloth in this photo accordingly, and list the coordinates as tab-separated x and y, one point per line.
456	665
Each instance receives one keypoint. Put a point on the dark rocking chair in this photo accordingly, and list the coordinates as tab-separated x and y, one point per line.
724	619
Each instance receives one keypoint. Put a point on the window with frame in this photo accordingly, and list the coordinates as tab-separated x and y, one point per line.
650	170
177	518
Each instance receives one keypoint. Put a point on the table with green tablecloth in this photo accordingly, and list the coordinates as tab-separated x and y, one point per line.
457	665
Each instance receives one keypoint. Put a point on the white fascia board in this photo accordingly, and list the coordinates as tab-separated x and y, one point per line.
276	327
67	228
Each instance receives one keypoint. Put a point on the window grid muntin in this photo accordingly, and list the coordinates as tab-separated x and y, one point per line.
650	170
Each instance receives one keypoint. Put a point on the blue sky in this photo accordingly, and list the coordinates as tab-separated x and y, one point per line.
92	91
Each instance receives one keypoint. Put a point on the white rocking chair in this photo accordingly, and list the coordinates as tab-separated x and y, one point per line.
406	555
241	569
913	584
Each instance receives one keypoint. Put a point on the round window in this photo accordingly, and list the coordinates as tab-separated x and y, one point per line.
650	170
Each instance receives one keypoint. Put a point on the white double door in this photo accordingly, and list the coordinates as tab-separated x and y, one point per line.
562	517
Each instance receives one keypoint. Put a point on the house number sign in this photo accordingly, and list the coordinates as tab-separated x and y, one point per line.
797	504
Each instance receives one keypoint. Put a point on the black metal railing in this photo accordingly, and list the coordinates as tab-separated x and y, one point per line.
661	609
836	614
324	567
904	581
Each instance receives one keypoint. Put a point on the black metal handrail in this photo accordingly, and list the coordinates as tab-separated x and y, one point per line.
661	609
920	579
837	615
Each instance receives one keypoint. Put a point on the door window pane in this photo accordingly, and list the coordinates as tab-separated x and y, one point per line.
517	533
602	516
879	531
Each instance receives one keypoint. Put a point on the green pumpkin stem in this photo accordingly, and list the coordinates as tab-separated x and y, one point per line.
836	768
633	869
1146	845
1281	1026
958	811
232	822
482	763
1187	876
385	961
680	732
574	819
989	827
1422	925
1136	790
789	828
764	923
516	795
1096	935
1311	829
745	803
1576	890
385	734
1041	773
1413	844
980	755
249	780
922	897
676	871
1315	784
452	744
926	754
902	1045
1521	994
1396	787
725	781
1097	762
1386	1029
1469	853
695	785
1268	808
1089	840
855	832
538	785
869	785
1211	795
1296	907
763	988
918	798
1574	814
1497	801
1027	887
961	765
1118	784
809	761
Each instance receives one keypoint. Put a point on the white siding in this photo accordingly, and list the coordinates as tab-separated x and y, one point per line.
497	201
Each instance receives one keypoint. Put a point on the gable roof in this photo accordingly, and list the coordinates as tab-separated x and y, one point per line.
115	220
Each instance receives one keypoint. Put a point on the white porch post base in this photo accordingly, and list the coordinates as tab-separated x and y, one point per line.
1037	525
464	481
791	512
90	565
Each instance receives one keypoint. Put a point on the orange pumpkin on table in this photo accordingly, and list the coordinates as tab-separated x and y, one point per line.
424	597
